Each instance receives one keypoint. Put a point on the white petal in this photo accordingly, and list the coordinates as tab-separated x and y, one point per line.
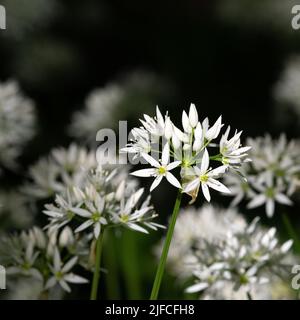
56	260
218	171
50	283
144	172
165	155
205	191
69	265
173	165
151	160
82	212
97	229
168	129
286	246
198	132
192	185
217	185
73	278
156	182
193	115
64	285
270	207
84	226
171	178
257	201
197	287
204	162
214	131
282	198
186	123
136	227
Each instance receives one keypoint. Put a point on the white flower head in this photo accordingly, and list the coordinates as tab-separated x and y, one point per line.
161	169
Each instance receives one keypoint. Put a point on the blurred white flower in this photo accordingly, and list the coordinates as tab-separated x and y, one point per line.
61	273
248	258
17	122
286	91
210	223
268	195
272	176
64	168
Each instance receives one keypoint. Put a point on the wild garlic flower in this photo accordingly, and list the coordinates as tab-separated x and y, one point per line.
189	148
62	169
61	273
97	205
226	256
272	176
247	258
209	222
120	99
160	170
17	121
35	254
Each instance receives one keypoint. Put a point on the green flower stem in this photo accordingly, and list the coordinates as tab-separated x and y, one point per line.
96	276
249	296
164	254
291	231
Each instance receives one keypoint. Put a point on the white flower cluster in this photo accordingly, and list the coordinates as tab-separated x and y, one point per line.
62	169
100	105
17	120
106	199
193	224
272	176
120	99
226	256
36	254
189	148
244	258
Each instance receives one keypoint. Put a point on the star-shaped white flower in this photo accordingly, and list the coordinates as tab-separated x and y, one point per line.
206	178
93	215
269	194
161	169
61	273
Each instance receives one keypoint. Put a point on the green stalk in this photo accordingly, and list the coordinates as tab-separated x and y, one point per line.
96	276
164	254
291	231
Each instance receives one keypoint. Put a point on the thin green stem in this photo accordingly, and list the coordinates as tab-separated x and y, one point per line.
164	254
291	231
96	276
249	296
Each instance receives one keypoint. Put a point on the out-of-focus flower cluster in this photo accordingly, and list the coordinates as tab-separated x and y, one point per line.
17	121
227	256
105	199
286	91
272	176
37	255
64	168
189	148
118	100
